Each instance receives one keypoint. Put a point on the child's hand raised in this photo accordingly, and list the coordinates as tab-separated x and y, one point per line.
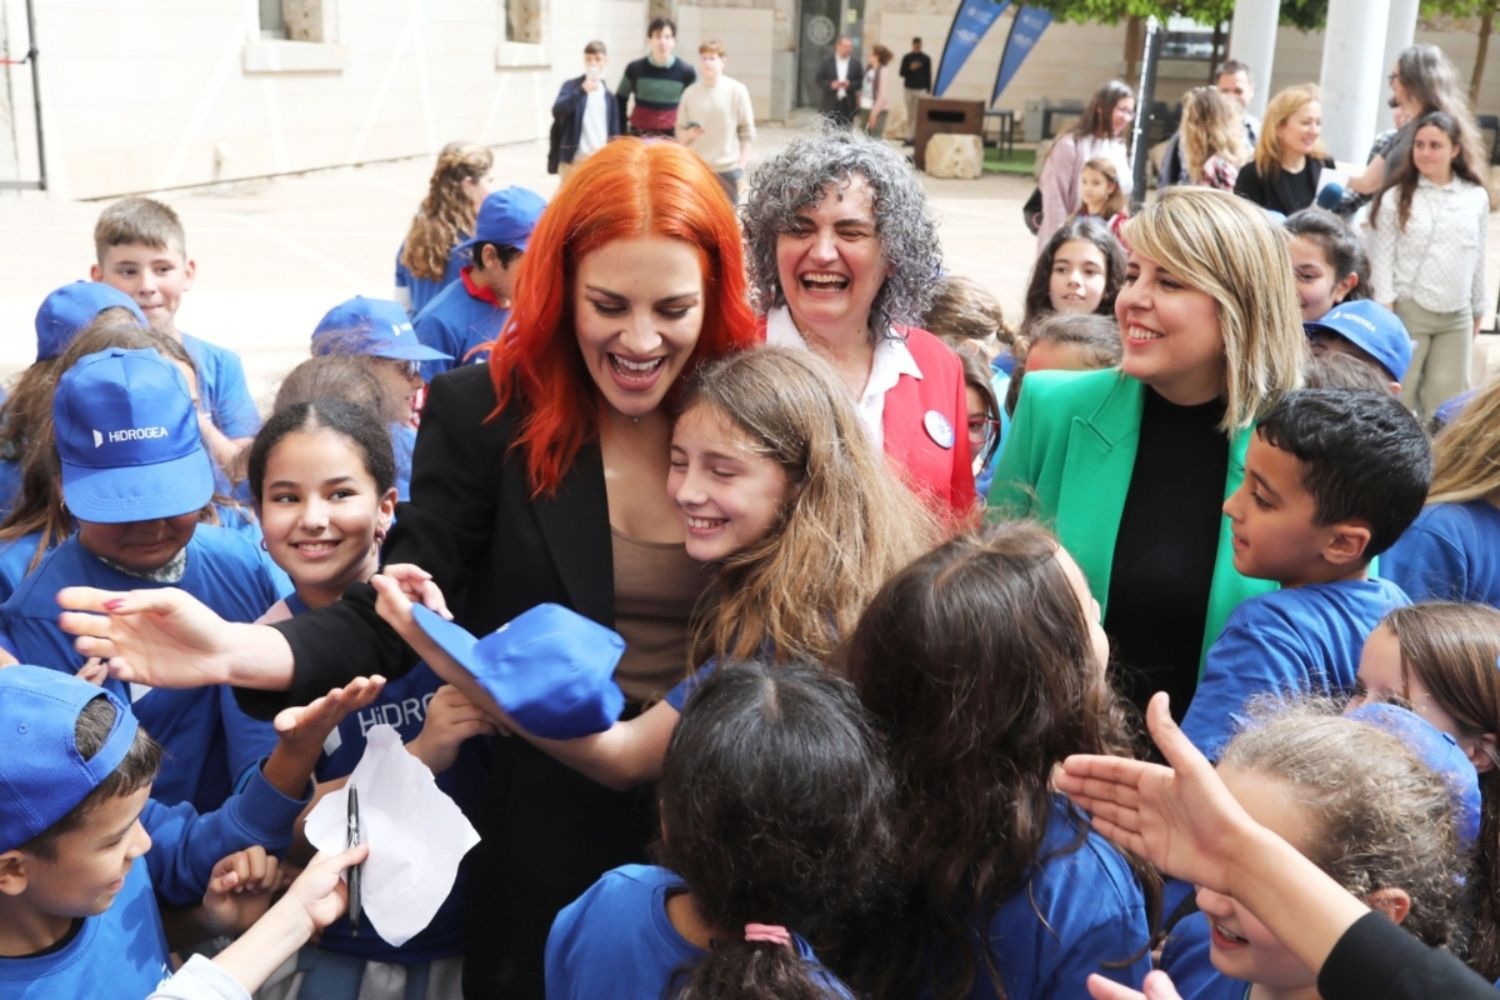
239	890
301	730
1157	986
319	893
451	719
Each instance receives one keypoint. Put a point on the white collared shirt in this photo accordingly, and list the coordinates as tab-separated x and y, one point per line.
892	360
1438	260
841	68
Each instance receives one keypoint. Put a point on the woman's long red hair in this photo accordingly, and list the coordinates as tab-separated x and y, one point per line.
626	190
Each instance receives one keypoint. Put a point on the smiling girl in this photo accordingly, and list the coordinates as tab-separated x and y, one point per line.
1080	270
1328	260
779	492
1428	230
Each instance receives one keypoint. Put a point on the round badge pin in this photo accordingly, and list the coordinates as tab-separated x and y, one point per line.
938	429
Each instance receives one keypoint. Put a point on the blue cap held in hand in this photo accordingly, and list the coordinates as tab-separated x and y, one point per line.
551	669
377	328
1372	328
1438	751
42	774
506	217
73	307
128	439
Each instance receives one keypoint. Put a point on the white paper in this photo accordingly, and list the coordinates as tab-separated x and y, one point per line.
417	836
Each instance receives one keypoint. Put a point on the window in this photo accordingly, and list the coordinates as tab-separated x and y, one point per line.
272	22
523	21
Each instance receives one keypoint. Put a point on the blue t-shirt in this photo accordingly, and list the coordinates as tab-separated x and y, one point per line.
15	562
423	290
1081	911
121	954
403	443
1293	640
209	741
222	387
456	323
616	940
1185	957
1450	553
10	486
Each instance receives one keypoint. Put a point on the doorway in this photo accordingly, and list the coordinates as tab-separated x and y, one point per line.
818	23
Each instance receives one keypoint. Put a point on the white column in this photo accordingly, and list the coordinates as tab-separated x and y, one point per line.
1252	40
1398	37
1353	75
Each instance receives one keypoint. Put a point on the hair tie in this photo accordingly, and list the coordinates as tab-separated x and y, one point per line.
769	933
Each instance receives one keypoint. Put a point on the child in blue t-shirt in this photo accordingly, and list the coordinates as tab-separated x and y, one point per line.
1332	479
62	315
322	476
464	318
1452	552
378	332
136	478
984	664
142	251
1373	805
77	916
774	824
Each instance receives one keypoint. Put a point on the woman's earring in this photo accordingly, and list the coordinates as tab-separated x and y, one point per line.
379	537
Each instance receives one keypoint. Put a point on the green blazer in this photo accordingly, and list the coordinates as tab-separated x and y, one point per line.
1068	458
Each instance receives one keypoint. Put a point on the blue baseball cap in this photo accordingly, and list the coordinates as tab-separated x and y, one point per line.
42	774
1438	751
128	439
506	217
550	668
379	328
1372	328
73	307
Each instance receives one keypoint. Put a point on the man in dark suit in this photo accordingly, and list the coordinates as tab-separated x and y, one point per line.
838	81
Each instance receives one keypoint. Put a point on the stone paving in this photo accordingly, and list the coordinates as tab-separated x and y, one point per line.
273	255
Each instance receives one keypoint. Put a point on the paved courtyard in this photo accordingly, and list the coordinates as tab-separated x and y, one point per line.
273	255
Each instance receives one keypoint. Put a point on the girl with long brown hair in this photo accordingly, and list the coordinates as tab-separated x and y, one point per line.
429	260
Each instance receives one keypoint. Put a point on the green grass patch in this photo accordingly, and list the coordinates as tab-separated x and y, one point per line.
1020	161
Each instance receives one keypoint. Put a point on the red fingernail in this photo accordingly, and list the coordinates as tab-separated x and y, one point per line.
114	604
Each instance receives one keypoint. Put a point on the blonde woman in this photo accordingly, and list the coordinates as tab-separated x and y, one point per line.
1452	551
1213	138
1289	158
428	260
1131	465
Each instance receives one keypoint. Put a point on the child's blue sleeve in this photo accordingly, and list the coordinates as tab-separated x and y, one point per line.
247	741
1249	658
679	695
233	408
185	846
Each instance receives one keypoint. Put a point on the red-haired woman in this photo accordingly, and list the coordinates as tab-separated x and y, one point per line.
538	479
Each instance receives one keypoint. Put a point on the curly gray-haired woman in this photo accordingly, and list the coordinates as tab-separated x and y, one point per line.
843	250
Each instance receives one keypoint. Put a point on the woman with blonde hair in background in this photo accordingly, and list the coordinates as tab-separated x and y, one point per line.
1289	158
429	260
1213	138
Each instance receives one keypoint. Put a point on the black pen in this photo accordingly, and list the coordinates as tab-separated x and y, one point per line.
354	870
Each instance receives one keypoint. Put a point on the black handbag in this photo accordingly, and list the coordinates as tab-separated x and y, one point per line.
1031	212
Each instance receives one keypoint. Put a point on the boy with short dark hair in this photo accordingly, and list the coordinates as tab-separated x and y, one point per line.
78	918
585	115
657	81
142	251
470	313
1332	479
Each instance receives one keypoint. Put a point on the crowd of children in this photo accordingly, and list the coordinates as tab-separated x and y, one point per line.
897	757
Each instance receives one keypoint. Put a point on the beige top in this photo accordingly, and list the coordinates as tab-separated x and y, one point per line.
656	589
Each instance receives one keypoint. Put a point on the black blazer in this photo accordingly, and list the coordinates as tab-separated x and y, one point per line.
474	525
828	71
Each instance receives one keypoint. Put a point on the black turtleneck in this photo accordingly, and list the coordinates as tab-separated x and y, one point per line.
1165	553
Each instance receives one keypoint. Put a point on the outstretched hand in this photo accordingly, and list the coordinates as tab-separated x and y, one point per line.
418	586
164	637
239	890
1180	817
1157	986
319	895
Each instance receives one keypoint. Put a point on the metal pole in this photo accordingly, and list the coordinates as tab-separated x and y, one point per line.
1140	155
36	96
